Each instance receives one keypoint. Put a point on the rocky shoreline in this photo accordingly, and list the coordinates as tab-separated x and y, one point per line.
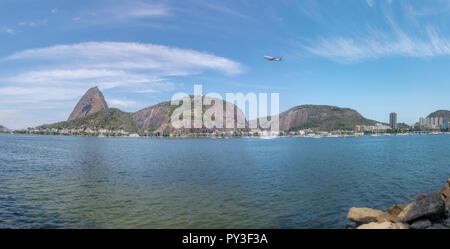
428	211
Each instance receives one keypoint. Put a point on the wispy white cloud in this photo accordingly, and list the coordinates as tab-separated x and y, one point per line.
32	24
381	44
129	11
311	9
29	24
54	10
53	76
10	118
140	10
400	33
422	9
111	64
33	115
83	78
13	95
220	7
130	55
9	30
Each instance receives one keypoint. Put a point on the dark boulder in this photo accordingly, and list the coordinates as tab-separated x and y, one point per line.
421	224
437	226
430	206
383	225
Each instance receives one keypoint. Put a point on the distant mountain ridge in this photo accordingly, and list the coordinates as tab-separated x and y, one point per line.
321	117
154	118
92	112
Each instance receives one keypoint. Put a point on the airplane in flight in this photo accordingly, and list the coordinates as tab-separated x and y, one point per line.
273	58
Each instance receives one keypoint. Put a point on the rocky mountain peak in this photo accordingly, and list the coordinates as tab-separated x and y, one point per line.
91	102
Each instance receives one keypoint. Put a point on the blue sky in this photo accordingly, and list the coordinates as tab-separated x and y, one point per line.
376	56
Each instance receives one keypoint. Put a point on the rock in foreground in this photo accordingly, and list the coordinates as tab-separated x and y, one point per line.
421	224
445	195
426	212
430	206
364	215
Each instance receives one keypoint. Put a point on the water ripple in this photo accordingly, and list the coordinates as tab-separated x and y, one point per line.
78	182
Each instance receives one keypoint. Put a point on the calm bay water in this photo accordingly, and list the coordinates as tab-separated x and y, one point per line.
86	182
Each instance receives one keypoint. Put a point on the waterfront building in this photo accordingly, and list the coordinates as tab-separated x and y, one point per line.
376	127
422	122
393	120
432	123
